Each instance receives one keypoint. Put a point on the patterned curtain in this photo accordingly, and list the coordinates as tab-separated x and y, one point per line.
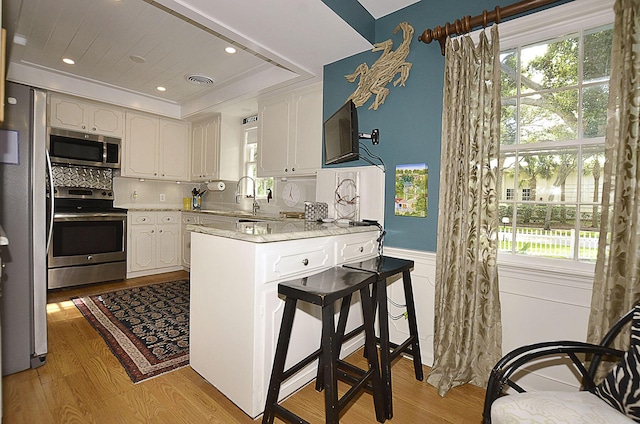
616	287
468	330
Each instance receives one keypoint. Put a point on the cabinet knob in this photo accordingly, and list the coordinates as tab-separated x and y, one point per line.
305	262
89	258
286	169
361	249
83	127
153	231
94	129
159	231
293	169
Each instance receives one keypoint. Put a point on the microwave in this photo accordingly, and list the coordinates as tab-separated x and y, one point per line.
76	148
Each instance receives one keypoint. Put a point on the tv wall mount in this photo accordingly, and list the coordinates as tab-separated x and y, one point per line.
374	136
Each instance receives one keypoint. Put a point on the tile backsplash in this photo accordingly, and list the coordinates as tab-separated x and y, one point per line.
82	176
134	193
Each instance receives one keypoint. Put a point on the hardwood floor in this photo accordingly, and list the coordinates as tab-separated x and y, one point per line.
82	382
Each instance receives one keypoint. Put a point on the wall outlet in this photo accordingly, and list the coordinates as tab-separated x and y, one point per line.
162	197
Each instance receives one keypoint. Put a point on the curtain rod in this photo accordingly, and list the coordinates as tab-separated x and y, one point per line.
468	23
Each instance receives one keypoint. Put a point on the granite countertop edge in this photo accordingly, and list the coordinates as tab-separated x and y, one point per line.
232	213
279	231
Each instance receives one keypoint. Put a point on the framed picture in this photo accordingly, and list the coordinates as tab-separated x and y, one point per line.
412	190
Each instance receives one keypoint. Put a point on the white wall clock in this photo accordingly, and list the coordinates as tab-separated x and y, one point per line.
291	194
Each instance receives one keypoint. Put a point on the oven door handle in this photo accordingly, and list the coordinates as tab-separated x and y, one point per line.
69	217
51	200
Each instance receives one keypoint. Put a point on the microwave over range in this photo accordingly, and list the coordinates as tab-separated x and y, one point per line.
76	148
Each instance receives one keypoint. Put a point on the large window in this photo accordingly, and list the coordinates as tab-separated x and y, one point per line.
554	113
251	161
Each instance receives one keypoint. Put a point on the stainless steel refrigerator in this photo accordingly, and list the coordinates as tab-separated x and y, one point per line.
23	216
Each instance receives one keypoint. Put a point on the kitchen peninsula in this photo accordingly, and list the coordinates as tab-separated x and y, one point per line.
235	309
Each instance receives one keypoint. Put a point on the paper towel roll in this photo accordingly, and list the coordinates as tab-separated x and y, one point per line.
216	186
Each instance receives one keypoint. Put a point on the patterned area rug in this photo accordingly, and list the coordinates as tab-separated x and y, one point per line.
147	328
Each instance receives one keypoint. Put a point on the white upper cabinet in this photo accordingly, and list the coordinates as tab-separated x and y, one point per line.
290	133
84	116
205	148
156	148
174	156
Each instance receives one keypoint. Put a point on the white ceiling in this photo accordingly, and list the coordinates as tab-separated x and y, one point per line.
380	8
278	44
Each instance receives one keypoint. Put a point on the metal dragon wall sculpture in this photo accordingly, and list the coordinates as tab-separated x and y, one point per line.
373	80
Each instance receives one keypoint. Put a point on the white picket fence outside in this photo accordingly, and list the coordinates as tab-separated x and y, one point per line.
550	243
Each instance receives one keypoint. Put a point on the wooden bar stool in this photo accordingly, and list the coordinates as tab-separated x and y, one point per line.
384	267
324	289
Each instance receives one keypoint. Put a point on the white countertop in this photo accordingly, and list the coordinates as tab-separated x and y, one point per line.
272	231
222	212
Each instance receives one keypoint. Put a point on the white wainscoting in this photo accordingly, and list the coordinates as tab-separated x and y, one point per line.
539	303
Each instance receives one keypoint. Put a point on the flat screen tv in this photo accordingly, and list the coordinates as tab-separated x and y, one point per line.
341	138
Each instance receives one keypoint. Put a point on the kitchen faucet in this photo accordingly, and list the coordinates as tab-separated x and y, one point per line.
256	206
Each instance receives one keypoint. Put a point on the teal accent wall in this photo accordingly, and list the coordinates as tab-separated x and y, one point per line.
411	117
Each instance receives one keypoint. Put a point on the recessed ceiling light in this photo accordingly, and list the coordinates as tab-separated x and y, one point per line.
68	61
230	50
161	88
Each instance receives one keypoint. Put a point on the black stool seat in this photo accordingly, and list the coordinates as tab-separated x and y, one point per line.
384	267
324	289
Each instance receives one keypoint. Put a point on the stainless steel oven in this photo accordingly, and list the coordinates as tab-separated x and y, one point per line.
88	238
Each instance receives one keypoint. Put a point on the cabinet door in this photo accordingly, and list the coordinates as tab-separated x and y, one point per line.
141	146
274	136
186	238
174	150
197	149
106	120
168	242
305	154
211	150
68	113
205	147
142	249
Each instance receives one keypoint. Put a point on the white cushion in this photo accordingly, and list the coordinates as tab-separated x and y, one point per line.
554	407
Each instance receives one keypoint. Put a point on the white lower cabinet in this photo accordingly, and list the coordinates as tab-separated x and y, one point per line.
236	311
187	218
153	243
196	218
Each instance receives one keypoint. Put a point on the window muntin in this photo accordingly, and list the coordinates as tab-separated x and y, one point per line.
554	107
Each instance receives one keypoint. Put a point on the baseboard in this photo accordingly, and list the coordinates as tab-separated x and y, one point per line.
144	273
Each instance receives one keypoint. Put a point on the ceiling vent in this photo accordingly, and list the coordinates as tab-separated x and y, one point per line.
199	79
